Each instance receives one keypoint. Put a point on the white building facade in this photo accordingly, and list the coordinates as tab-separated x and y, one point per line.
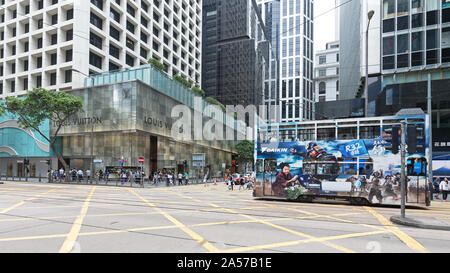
296	60
54	44
326	73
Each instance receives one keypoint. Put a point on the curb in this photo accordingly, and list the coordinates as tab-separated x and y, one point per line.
415	223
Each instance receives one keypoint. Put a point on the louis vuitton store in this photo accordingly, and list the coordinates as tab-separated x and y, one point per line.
127	117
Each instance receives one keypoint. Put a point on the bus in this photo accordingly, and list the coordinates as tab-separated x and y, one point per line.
350	159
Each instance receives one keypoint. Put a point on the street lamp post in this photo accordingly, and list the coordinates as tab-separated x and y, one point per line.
366	89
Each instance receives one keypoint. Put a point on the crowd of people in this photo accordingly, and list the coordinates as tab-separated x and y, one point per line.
440	186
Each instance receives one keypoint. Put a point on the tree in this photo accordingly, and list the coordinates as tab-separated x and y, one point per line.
40	105
245	150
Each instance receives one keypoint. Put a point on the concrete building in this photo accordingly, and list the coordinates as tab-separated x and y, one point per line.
43	42
326	73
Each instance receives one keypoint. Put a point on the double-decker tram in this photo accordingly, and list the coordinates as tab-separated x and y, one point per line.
356	159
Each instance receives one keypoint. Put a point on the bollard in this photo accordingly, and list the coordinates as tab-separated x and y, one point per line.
39	177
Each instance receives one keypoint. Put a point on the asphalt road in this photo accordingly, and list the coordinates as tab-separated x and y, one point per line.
54	218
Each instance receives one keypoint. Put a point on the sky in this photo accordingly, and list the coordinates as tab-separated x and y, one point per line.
324	24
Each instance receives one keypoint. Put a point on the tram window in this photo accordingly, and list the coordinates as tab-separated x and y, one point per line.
270	165
306	134
326	134
259	166
347	133
369	132
309	168
349	169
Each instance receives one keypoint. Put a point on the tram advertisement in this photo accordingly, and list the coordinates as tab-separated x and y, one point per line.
358	168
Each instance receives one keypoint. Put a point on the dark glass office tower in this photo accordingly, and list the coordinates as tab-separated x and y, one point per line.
236	52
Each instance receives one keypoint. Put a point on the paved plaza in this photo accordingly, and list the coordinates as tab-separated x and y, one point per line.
42	217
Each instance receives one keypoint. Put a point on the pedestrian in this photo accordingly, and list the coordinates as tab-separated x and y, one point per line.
242	183
436	184
88	174
186	178
230	183
61	173
205	180
180	179
445	189
124	177
80	175
107	175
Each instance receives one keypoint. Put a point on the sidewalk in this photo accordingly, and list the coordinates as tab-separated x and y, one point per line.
421	222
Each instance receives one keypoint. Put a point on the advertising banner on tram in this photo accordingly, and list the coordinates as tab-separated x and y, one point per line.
353	168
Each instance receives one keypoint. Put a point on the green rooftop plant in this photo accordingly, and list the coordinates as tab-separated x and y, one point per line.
216	102
157	64
198	91
183	81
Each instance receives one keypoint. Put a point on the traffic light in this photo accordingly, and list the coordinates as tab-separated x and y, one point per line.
185	163
48	161
392	136
414	135
26	162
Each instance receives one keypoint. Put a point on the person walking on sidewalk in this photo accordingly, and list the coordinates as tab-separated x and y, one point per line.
445	189
437	184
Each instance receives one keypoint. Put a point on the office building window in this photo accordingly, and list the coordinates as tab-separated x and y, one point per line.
96	21
54	39
113	14
39	43
114	51
69	14
53	59
129	60
131	10
95	60
69	35
388	9
113	67
52	78
68	76
54	19
322	59
69	55
388	45
38	81
114	33
95	40
25	84
39	62
98	3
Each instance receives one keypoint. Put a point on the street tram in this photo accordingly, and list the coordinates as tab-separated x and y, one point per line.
356	159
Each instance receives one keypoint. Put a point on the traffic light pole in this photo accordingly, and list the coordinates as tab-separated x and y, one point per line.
403	171
430	133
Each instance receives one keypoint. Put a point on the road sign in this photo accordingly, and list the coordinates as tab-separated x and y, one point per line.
141	160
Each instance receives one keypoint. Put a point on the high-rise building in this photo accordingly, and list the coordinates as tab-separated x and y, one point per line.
55	44
236	52
270	12
353	22
326	73
296	59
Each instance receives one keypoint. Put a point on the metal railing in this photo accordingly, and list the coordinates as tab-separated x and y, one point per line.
116	182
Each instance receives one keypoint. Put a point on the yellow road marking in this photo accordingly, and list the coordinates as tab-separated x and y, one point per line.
76	227
409	241
311	240
24	201
180	225
271	224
